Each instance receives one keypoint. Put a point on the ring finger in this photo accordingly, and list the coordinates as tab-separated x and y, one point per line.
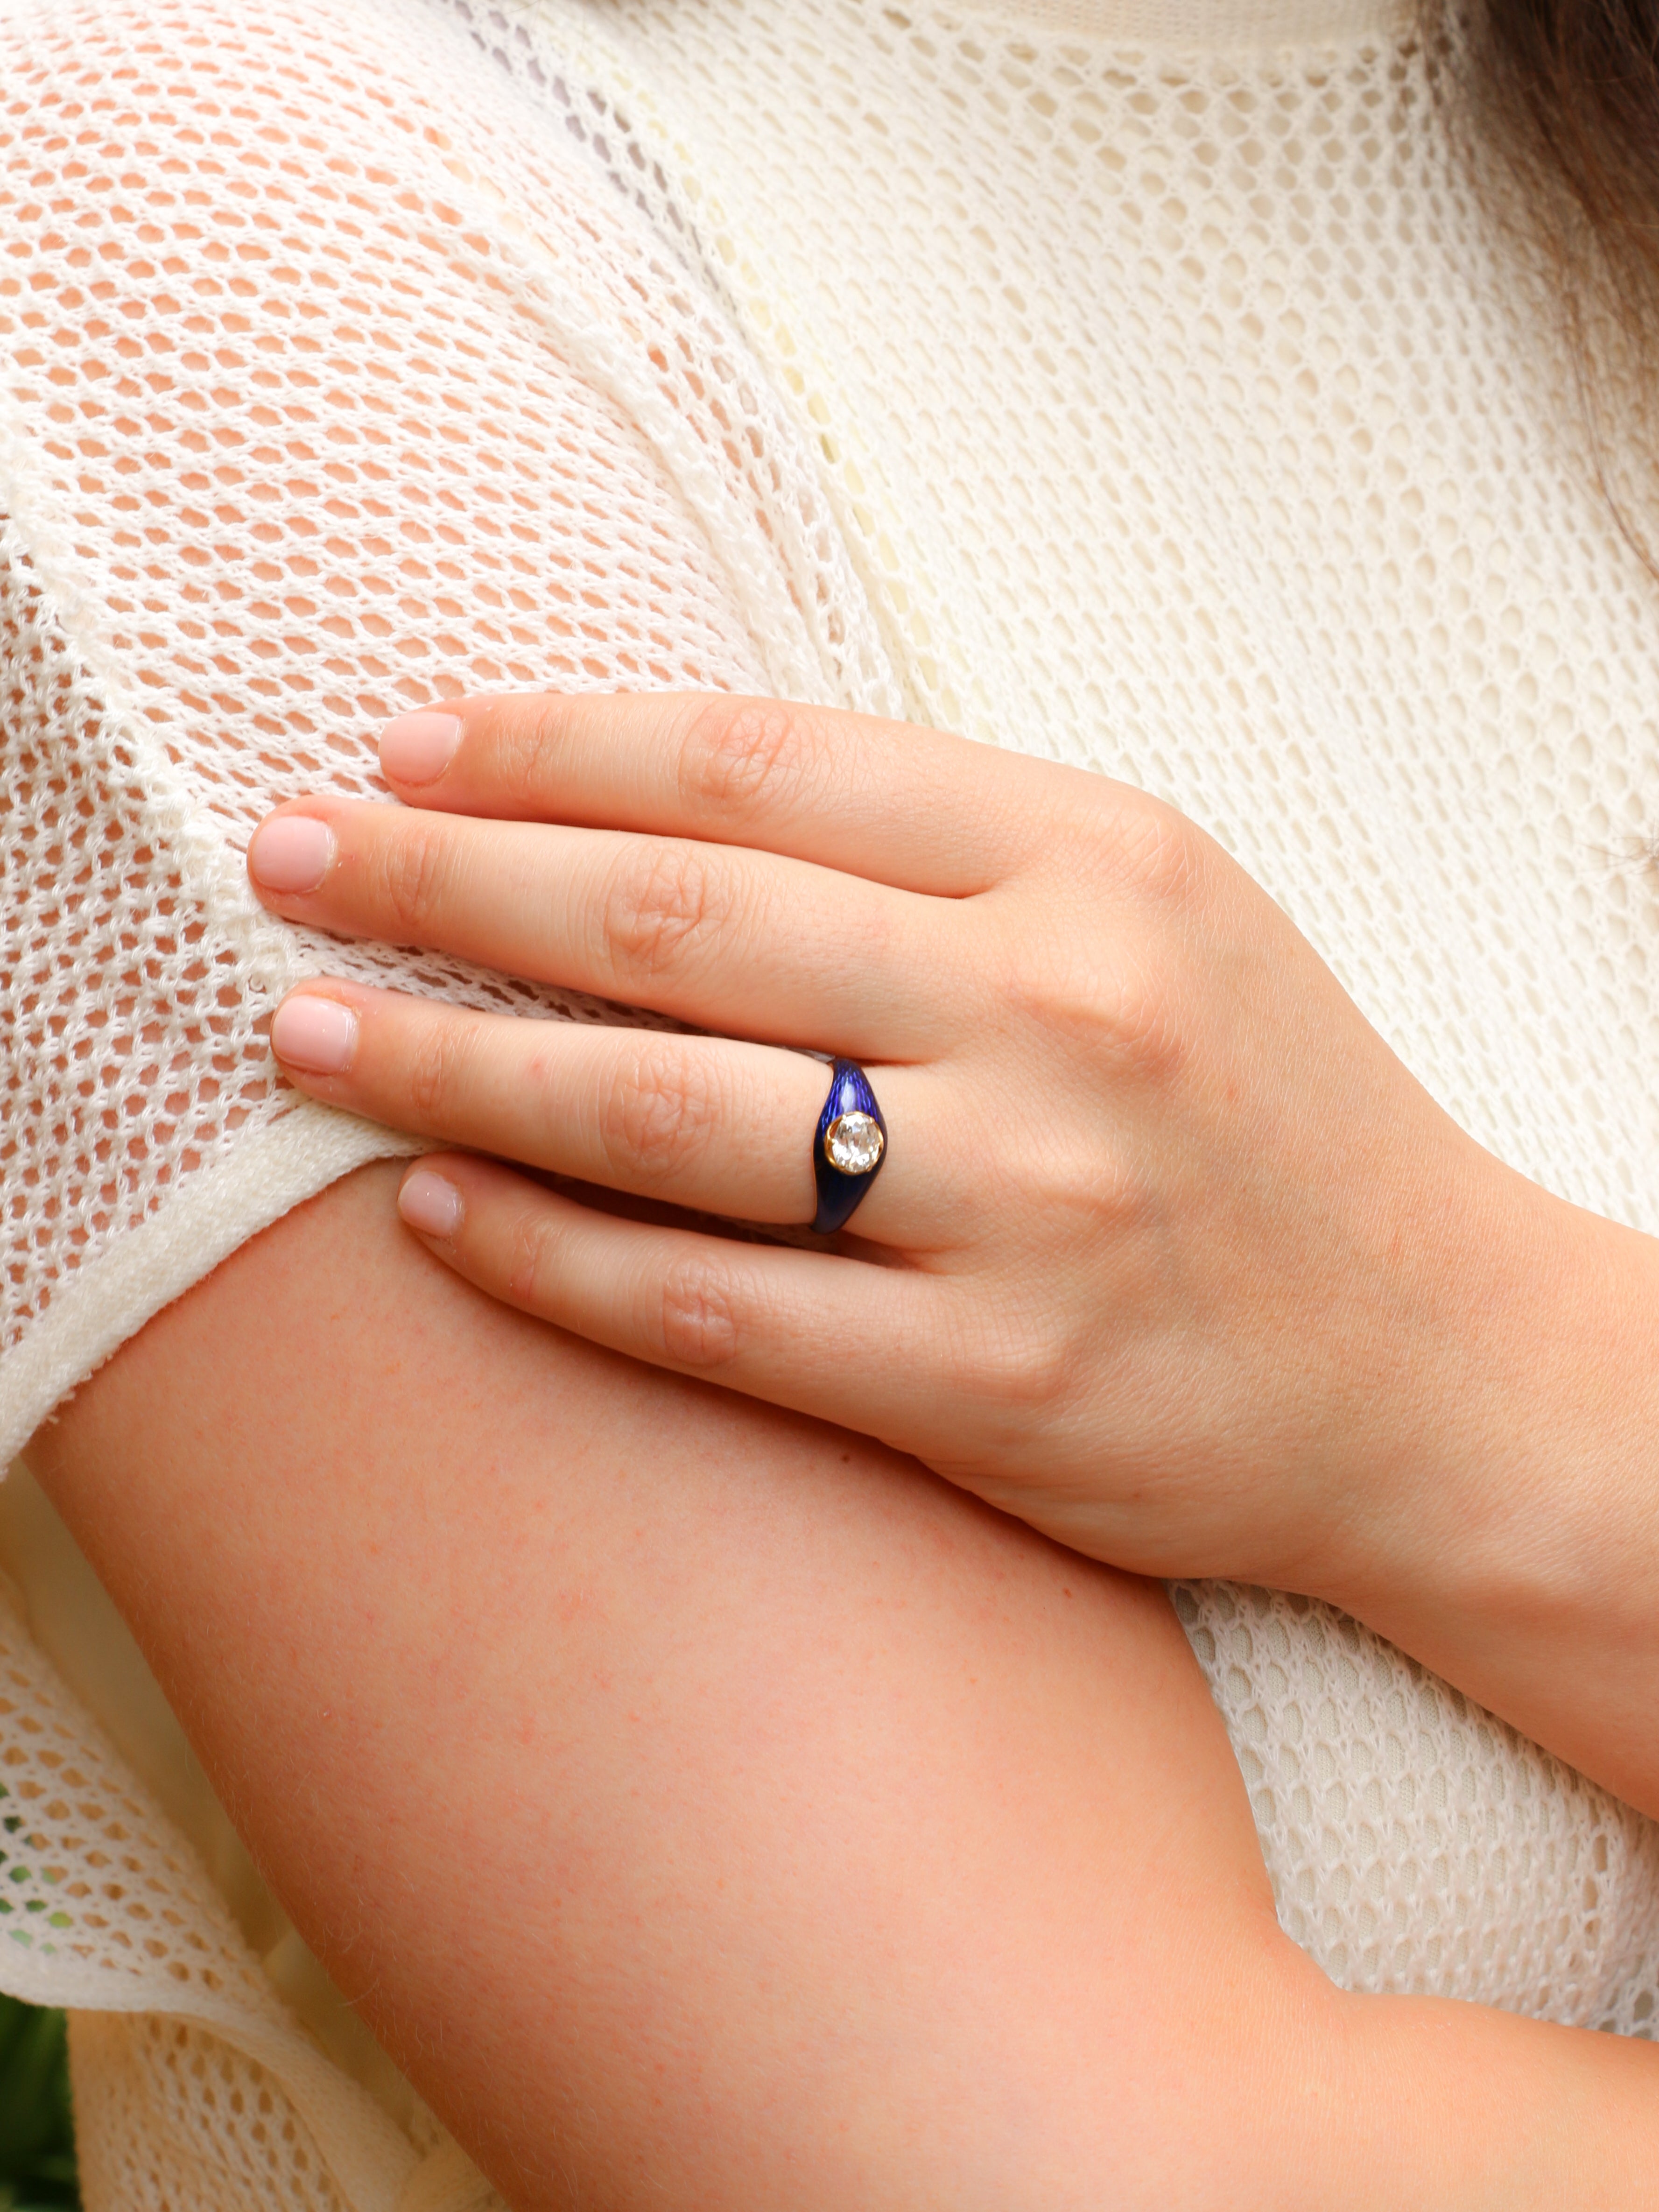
705	1122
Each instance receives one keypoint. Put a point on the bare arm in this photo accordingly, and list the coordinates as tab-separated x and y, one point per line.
706	1806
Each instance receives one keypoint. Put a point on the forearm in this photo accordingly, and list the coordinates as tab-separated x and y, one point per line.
1509	1537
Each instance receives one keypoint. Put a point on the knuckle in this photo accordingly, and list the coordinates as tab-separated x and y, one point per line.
523	739
1110	1193
436	1068
1020	1374
698	1320
1127	842
740	758
660	1114
664	901
409	875
1161	855
1141	1020
1108	1003
531	1245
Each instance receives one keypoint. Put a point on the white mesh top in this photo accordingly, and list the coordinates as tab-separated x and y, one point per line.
1140	382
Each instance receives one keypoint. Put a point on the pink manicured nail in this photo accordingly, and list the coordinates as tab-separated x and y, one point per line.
291	853
317	1036
418	748
430	1204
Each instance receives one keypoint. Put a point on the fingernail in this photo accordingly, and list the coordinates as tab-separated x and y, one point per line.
316	1034
291	853
418	748
430	1204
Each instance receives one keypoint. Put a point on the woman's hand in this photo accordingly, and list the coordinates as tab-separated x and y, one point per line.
1169	1255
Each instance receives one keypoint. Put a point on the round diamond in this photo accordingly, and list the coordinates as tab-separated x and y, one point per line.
854	1143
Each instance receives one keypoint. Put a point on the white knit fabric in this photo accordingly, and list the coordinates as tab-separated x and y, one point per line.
1123	380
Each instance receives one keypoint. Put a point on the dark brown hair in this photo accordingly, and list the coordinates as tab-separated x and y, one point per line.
1573	88
1580	78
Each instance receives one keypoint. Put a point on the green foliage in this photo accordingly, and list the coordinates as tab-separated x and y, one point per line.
37	2130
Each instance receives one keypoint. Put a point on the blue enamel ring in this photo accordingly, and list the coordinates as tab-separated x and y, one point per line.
848	1147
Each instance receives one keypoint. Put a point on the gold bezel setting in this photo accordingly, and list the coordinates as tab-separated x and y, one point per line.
853	1132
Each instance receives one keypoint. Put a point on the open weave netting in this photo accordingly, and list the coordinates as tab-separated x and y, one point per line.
1143	384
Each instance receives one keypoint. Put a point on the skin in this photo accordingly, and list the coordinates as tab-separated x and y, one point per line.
709	1806
704	1802
1172	1257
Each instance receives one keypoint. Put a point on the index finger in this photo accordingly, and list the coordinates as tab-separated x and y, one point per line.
911	807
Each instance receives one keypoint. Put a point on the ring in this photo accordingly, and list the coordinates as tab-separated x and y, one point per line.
849	1146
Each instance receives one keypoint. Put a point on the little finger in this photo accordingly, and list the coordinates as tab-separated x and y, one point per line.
825	1334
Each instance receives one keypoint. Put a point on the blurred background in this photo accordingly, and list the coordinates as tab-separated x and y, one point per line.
37	2134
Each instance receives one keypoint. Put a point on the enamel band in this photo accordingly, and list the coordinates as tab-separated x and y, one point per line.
848	1147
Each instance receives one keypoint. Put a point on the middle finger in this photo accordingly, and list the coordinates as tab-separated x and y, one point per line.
749	943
